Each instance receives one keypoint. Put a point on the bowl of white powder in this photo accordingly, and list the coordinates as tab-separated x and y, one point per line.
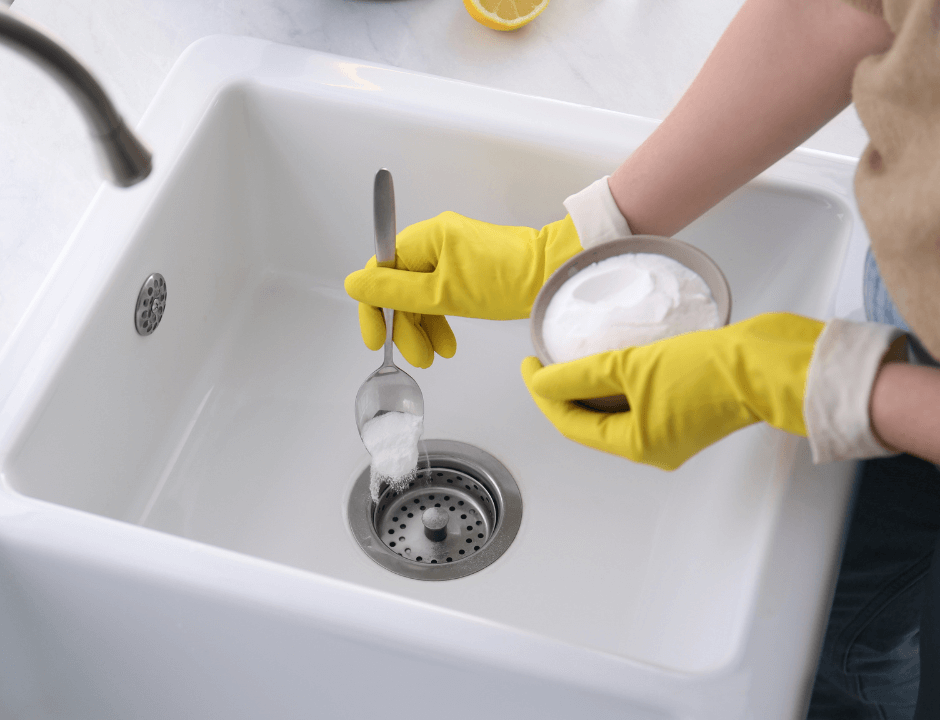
625	293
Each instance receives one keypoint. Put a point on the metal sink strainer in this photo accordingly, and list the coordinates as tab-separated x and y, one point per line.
460	513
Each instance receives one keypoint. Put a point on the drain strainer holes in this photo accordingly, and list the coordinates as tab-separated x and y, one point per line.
460	513
438	530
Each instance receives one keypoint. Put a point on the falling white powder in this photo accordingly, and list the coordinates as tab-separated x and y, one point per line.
624	301
392	441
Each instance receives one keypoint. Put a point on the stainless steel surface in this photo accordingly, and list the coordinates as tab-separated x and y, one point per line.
435	520
689	255
125	158
151	303
383	212
388	389
459	485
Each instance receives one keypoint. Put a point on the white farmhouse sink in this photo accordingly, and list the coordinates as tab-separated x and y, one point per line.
173	538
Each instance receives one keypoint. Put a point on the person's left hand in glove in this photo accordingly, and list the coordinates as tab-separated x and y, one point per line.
689	391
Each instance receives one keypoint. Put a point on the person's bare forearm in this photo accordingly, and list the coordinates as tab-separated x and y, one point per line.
905	409
781	70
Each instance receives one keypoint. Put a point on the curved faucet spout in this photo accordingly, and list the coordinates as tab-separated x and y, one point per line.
125	158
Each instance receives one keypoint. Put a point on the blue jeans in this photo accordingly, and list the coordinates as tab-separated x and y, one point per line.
879	307
883	632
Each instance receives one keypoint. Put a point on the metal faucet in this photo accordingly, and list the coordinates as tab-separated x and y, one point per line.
124	157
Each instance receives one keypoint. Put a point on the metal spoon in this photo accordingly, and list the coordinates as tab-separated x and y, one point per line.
388	389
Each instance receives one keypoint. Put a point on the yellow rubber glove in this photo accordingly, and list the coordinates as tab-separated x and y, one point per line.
685	392
452	265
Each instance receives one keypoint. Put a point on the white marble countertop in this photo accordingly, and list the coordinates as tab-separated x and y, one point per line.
632	56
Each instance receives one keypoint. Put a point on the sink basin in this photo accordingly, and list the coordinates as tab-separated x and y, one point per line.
172	507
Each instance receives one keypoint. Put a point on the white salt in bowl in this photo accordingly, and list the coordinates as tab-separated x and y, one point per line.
683	253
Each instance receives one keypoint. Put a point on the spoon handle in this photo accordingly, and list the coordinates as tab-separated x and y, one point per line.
383	208
384	215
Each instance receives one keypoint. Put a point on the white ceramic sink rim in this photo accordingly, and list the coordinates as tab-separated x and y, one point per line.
42	529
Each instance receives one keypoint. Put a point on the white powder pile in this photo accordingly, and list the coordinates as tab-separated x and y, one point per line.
392	441
624	301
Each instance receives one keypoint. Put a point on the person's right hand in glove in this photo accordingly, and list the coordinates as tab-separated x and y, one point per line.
453	265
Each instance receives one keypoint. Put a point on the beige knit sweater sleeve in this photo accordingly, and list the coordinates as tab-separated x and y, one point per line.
897	184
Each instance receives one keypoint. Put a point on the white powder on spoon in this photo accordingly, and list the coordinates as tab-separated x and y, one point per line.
626	300
392	441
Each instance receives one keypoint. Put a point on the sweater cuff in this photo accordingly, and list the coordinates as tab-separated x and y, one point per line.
596	216
836	405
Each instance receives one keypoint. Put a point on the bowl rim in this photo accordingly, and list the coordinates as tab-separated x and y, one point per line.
692	257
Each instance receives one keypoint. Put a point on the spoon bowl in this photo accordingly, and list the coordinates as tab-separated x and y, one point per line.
388	389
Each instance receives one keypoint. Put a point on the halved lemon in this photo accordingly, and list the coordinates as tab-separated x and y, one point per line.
504	14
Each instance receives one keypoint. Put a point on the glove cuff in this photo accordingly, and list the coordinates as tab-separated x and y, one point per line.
596	216
836	406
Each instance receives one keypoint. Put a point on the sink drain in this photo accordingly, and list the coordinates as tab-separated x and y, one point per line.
151	302
460	514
